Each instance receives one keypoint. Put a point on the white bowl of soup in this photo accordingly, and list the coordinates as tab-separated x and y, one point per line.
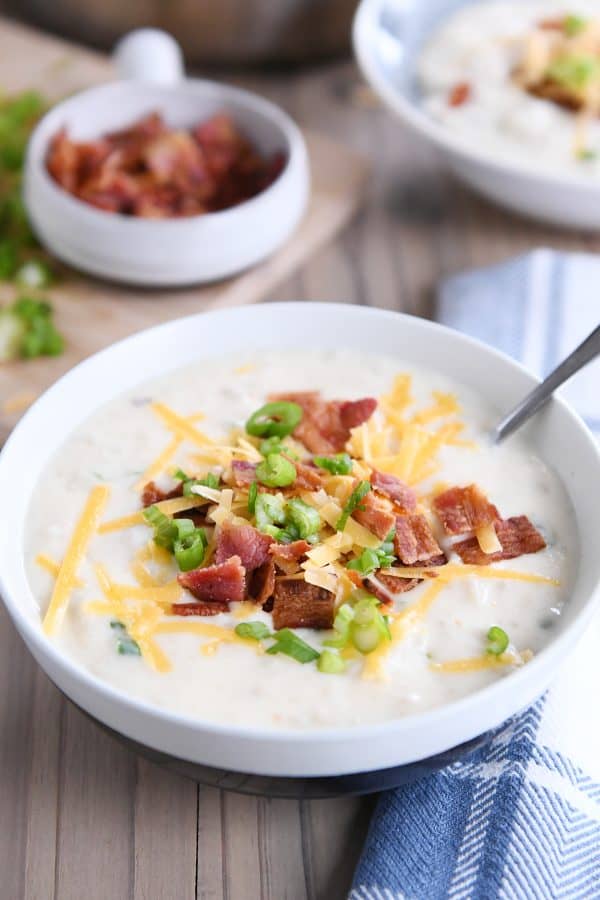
505	91
279	540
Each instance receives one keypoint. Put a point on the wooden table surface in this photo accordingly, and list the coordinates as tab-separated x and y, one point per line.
82	817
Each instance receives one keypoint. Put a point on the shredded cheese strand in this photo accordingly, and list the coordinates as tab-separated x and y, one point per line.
181	426
168	507
84	530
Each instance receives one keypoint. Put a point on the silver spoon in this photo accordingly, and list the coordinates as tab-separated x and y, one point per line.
585	353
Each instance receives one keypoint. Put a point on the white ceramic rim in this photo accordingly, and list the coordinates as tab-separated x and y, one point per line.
525	683
363	27
38	146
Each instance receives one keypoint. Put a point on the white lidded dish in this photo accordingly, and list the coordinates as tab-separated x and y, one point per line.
557	435
389	36
166	252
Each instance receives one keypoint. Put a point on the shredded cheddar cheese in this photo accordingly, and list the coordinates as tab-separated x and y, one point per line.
53	567
84	530
168	507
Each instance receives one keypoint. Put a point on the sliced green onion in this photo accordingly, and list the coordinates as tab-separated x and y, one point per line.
369	627
274	445
270	513
210	480
189	550
354	500
125	644
276	419
574	25
305	518
574	72
31	332
252	495
341	625
288	642
587	155
365	638
34	274
330	663
256	631
371	560
167	530
340	464
497	640
276	471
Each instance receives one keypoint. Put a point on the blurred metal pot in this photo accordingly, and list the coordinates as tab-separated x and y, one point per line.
210	31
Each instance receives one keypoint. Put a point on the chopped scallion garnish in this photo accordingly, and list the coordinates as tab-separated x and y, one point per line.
276	419
125	644
330	663
303	517
252	495
270	513
189	550
340	464
497	641
209	480
256	631
276	471
574	25
288	642
354	501
27	330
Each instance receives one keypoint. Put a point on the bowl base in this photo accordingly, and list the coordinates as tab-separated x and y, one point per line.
300	788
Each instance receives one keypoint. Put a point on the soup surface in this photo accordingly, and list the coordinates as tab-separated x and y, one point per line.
520	81
364	622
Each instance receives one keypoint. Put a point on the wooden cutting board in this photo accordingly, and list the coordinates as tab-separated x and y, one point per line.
91	313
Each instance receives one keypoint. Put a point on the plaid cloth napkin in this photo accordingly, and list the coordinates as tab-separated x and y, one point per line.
519	818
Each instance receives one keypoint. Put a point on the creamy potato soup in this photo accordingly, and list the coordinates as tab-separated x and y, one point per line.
520	81
349	551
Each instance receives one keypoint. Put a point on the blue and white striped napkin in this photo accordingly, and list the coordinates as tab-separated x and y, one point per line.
520	818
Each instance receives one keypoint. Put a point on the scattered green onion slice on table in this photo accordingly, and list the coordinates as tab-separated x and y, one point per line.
497	641
354	501
276	471
277	419
340	464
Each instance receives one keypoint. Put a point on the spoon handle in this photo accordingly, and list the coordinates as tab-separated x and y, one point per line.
580	357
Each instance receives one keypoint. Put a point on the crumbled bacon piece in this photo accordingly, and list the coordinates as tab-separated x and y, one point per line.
463	509
152	494
244	473
402	495
414	542
245	542
152	171
308	477
459	94
200	608
376	515
517	536
325	425
225	582
262	583
289	556
298	604
381	586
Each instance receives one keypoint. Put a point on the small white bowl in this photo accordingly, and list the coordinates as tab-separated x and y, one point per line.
557	434
388	36
177	251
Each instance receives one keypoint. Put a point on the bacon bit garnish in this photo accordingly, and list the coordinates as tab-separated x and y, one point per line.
152	171
298	604
463	509
325	425
376	515
244	542
262	583
517	536
289	556
224	583
414	542
308	477
200	608
552	24
381	586
403	496
244	472
152	494
459	94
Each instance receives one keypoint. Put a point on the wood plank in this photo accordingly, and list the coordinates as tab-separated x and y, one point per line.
165	816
